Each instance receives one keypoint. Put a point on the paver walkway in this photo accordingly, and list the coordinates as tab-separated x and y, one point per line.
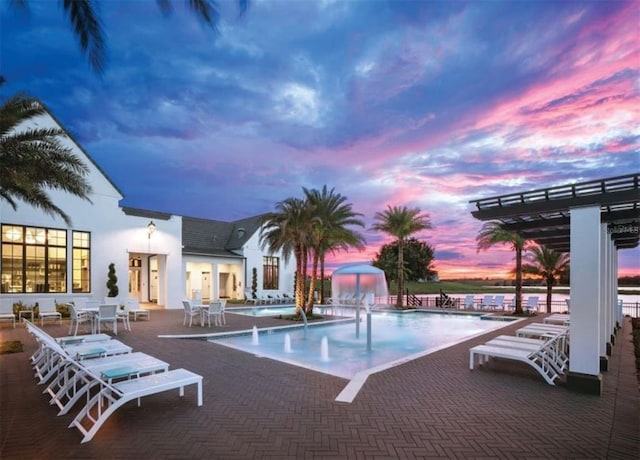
433	407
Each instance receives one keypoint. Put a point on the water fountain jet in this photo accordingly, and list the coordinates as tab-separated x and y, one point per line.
324	349
254	336
287	343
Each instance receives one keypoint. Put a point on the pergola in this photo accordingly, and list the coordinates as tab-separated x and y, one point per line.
591	221
543	215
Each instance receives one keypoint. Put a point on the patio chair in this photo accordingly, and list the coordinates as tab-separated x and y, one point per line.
486	301
498	303
532	303
6	311
132	305
77	318
215	310
248	298
107	314
223	307
469	302
189	312
47	310
123	314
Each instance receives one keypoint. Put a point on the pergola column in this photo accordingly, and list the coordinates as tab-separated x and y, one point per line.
587	346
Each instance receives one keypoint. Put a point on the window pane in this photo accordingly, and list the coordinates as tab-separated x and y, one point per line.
270	269
12	266
81	262
11	234
57	270
35	268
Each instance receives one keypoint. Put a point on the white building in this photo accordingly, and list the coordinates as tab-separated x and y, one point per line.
158	257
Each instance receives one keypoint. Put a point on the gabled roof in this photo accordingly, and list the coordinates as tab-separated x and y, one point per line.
77	144
215	237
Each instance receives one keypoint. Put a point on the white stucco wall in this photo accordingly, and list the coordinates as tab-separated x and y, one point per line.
113	234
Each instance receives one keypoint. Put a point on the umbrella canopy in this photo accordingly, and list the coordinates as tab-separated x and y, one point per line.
357	279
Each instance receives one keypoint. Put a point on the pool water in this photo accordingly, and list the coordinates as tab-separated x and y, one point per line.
395	337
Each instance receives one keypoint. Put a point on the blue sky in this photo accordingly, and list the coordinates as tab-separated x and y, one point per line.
424	104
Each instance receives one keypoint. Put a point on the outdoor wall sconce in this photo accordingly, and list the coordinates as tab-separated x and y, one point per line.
151	227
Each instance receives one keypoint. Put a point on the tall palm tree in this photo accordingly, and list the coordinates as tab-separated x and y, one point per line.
34	161
401	222
330	230
548	264
491	234
288	230
87	25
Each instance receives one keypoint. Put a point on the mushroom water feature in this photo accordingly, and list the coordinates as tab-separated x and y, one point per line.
365	282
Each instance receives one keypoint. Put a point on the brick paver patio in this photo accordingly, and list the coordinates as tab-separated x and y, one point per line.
433	407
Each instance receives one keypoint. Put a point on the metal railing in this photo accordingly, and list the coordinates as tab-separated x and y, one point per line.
631	309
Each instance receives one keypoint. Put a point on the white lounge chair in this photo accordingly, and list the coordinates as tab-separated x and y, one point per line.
557	318
111	396
542	358
558	357
133	307
47	310
72	384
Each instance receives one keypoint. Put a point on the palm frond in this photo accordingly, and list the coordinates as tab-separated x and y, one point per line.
87	27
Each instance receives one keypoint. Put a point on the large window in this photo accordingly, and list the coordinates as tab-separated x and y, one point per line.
34	259
270	272
81	262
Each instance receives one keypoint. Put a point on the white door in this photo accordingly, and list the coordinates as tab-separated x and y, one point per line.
153	286
206	286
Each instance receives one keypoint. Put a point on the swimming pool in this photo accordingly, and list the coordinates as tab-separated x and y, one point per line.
396	337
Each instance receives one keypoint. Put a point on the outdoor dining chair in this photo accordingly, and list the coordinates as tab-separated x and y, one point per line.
189	312
107	313
77	318
47	310
215	310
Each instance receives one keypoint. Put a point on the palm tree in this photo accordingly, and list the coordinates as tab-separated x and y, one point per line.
548	264
87	24
34	161
330	230
491	234
401	222
288	230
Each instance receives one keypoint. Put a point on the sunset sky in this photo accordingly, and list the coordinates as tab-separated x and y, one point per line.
423	104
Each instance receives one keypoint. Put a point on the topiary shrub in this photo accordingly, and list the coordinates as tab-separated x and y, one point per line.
254	282
112	281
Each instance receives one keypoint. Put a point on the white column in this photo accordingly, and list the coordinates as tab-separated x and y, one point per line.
605	279
586	285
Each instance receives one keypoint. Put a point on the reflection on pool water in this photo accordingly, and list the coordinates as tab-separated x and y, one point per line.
395	336
267	310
